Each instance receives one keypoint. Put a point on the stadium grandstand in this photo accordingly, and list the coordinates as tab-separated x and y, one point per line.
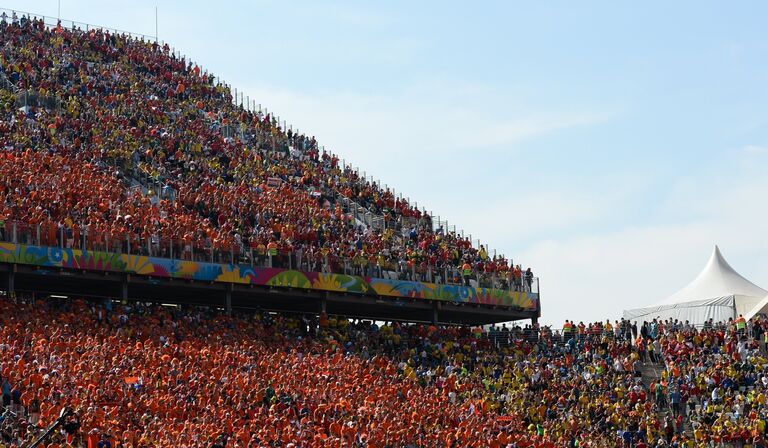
123	158
180	270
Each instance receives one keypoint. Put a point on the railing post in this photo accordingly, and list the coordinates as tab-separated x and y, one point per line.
37	242
128	241
13	234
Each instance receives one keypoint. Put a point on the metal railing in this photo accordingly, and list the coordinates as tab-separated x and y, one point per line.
362	214
20	17
30	98
90	238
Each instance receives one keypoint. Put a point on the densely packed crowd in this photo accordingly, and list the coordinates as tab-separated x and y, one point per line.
139	375
102	112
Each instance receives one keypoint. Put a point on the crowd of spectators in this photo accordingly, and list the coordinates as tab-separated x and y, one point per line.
115	143
112	142
139	375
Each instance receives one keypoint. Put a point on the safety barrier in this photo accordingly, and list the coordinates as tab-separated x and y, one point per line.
68	258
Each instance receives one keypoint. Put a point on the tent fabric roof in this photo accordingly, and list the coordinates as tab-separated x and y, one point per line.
717	279
697	311
760	308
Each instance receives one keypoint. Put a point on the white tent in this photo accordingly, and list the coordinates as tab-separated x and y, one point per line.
718	292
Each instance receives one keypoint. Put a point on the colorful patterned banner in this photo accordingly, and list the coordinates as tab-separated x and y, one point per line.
245	274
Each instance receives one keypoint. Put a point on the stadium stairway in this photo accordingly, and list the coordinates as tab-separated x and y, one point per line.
651	373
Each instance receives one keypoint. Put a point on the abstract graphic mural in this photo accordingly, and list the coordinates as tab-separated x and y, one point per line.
245	274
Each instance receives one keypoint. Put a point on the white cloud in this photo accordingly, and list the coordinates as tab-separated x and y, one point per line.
511	220
755	150
421	122
514	130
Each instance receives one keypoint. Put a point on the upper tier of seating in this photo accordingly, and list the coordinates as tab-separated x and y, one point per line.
118	139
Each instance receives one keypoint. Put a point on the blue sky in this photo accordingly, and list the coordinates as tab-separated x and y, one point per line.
609	145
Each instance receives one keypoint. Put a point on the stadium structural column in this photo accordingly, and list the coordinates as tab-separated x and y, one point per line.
228	298
124	287
435	319
324	303
11	290
535	319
